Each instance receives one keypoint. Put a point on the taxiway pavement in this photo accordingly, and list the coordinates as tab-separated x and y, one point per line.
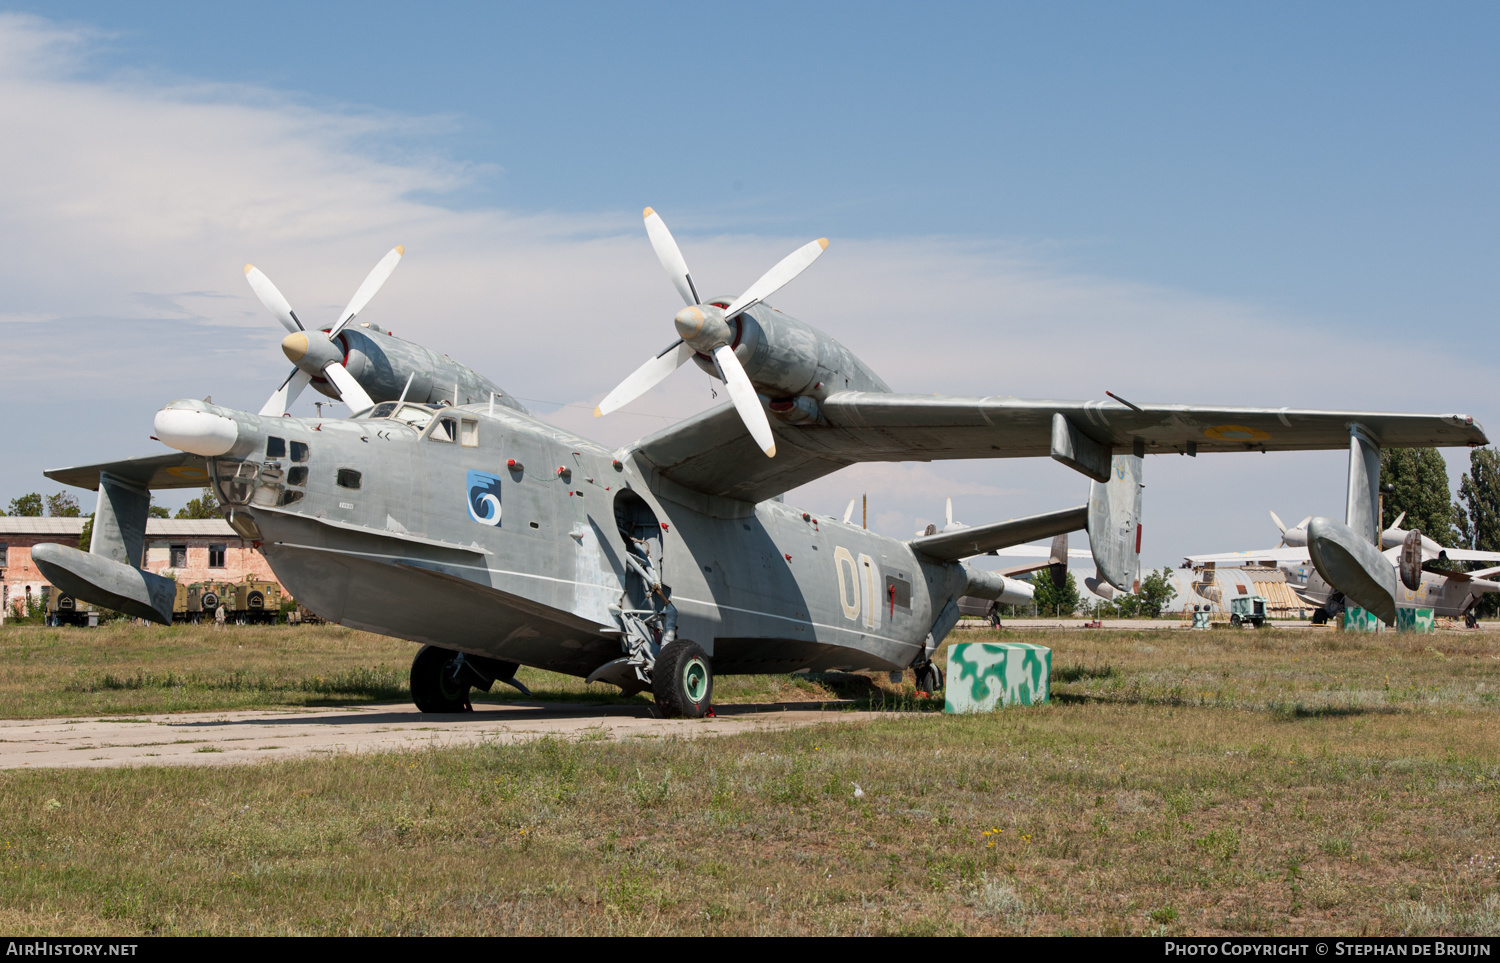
250	736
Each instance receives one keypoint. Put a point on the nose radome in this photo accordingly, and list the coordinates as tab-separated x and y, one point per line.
196	431
294	346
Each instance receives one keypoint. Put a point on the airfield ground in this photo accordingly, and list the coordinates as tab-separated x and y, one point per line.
1211	782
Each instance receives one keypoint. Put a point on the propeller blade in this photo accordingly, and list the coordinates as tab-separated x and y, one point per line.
277	404
1399	519
773	280
950	513
1277	519
849	512
646	377
742	393
272	298
376	278
350	392
670	257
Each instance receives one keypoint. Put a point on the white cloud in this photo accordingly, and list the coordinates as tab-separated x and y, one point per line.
131	206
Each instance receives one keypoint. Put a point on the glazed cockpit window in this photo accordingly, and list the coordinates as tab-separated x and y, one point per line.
445	430
415	415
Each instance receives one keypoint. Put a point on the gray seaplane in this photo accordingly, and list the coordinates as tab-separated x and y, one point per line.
495	540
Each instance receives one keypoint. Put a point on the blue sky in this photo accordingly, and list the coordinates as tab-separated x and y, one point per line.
1232	203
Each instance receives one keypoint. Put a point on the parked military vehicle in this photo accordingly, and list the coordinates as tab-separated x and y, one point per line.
251	600
1247	610
64	609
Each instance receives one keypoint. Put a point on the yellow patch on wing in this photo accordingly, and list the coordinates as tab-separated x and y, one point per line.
1236	433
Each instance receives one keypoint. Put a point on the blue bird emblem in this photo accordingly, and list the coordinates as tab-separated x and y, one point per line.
484	498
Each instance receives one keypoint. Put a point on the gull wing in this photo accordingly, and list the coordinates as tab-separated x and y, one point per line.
711	454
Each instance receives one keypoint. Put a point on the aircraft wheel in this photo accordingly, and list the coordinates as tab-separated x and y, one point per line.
683	680
434	685
929	678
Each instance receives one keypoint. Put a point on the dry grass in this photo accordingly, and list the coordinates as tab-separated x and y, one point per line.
124	669
1180	783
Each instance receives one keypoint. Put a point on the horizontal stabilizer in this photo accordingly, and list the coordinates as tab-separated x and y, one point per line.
102	581
951	546
178	469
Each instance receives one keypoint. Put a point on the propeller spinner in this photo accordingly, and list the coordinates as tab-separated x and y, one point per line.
705	329
314	352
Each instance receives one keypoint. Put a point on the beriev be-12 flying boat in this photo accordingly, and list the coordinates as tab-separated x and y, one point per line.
497	540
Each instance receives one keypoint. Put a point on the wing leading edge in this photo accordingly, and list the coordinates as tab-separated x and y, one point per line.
710	455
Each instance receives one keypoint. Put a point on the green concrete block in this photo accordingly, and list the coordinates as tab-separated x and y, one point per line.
1415	620
1357	619
985	675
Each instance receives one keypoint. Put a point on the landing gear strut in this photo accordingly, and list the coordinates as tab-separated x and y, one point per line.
929	677
441	678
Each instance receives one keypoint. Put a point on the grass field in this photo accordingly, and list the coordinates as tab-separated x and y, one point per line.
1179	783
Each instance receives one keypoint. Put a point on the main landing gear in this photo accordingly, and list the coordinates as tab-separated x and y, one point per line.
441	678
682	680
929	678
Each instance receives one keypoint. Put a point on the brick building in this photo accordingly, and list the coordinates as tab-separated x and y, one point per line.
191	549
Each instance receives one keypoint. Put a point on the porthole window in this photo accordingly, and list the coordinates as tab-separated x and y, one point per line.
297	476
275	447
299	451
288	497
349	478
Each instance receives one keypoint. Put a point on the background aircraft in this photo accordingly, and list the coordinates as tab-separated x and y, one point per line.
1448	592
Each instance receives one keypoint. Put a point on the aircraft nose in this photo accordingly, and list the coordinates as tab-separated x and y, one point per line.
196	431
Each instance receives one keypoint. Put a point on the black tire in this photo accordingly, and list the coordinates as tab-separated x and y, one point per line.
929	678
683	680
433	686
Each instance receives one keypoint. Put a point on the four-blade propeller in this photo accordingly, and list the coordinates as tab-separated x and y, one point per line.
705	329
314	353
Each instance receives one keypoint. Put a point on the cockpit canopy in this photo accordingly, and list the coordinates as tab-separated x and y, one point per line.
418	416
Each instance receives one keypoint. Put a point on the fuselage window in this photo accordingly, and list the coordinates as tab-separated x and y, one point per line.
289	496
349	478
299	451
275	447
469	435
297	476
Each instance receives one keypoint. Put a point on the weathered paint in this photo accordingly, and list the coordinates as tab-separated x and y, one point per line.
1357	619
983	676
1415	620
